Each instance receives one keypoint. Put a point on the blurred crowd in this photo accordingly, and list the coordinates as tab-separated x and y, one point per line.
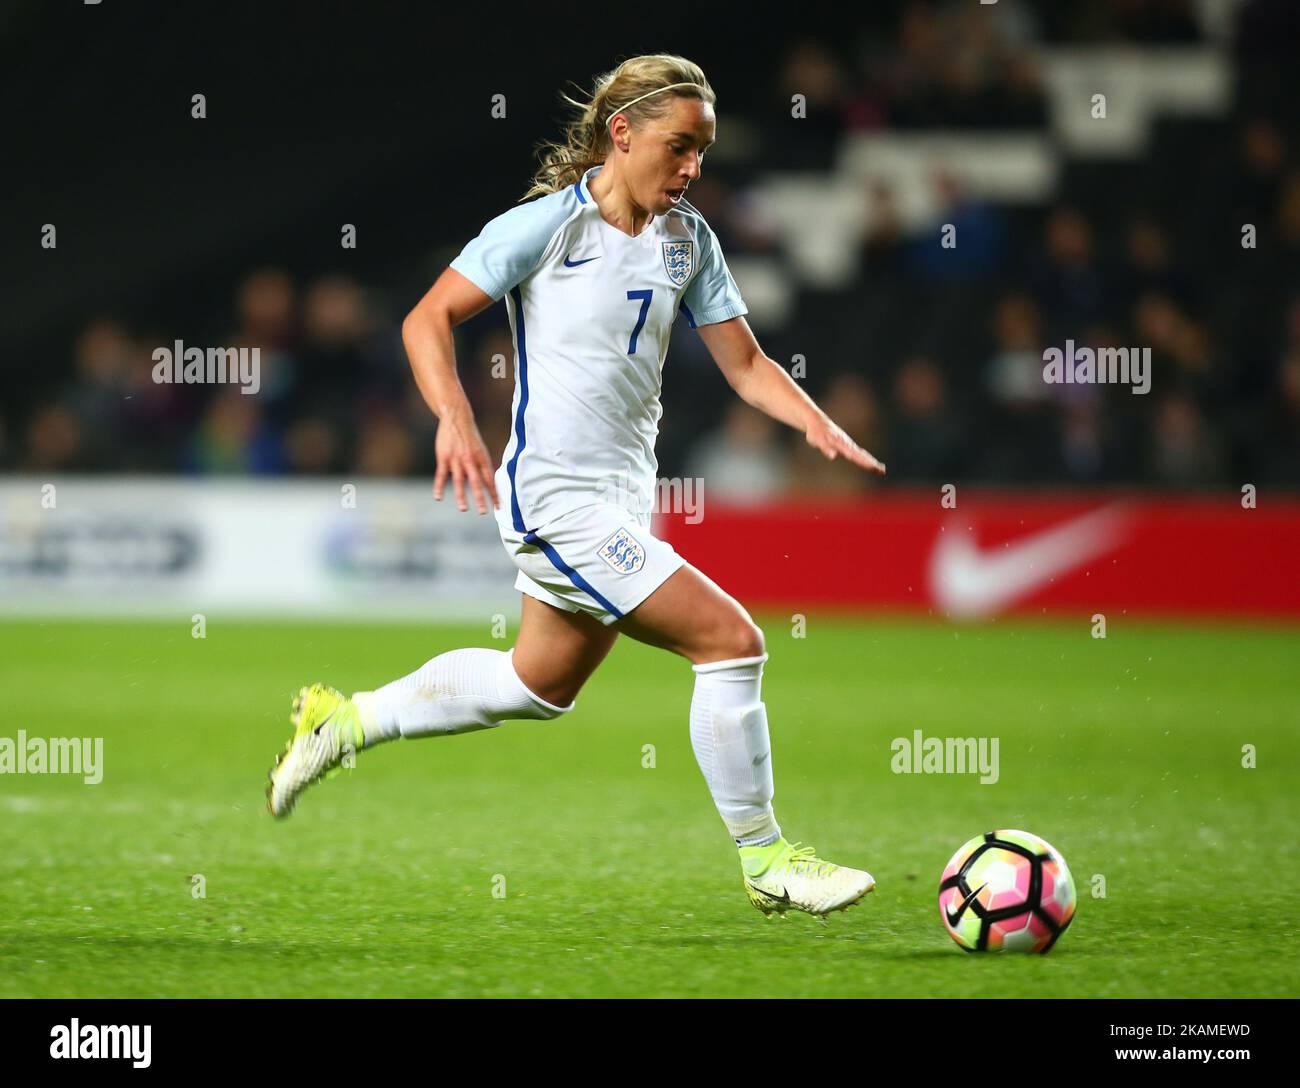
335	394
937	354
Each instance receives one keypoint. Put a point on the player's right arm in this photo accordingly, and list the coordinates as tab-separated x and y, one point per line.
506	251
426	332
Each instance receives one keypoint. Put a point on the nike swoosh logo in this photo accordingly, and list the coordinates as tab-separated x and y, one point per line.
757	760
953	919
325	721
784	897
968	583
574	264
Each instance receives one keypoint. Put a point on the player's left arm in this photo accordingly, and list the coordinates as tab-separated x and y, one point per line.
762	382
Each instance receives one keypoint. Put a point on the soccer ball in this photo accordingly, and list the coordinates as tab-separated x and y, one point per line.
1006	891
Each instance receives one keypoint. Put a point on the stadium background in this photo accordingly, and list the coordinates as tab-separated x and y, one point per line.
1124	231
192	503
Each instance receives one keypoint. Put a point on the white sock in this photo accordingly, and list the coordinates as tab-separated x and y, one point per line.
456	692
729	735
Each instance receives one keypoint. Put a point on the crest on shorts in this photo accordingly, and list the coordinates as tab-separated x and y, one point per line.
677	260
623	553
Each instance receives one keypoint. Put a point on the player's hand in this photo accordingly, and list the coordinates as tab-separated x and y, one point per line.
463	456
826	435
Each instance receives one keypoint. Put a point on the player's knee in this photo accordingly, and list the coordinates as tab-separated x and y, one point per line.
535	697
546	701
745	639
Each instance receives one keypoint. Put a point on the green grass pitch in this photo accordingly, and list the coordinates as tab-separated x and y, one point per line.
1125	753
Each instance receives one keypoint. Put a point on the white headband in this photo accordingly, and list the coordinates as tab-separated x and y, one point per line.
634	101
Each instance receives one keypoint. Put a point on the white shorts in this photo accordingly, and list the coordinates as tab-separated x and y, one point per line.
599	559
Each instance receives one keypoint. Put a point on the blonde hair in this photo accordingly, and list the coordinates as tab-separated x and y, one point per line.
628	89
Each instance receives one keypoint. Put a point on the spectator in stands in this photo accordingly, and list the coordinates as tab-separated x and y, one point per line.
882	240
1184	450
811	70
315	446
156	417
233	437
1276	436
266	318
97	395
335	364
925	442
384	446
1147	264
972	249
1015	373
1096	425
1067	279
1263	156
1023	101
743	461
850	400
953	66
1016	431
265	303
53	441
1082	440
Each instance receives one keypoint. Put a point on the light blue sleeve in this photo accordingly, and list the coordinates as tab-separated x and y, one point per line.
510	246
712	295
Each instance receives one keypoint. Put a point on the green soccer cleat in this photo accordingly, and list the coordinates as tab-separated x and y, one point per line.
783	877
327	726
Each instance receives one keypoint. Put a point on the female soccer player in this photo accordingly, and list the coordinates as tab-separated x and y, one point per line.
594	273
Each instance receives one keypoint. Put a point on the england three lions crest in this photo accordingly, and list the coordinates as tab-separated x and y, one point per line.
677	260
623	552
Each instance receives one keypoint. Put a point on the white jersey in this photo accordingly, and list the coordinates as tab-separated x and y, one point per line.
591	310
